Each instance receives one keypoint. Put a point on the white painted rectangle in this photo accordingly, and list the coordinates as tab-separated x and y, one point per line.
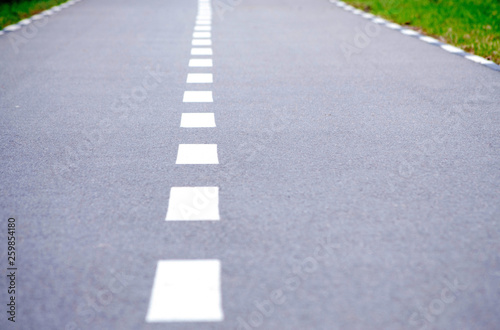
203	22
193	204
197	96
197	120
186	291
200	63
201	51
202	35
199	78
202	42
203	28
197	154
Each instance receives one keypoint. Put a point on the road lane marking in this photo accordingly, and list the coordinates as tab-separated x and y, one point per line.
197	96
203	22
193	204
393	26
202	42
452	49
429	39
409	32
201	51
478	59
202	35
198	119
201	63
186	291
197	154
203	28
199	78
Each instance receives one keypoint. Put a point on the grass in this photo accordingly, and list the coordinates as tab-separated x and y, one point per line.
12	11
473	25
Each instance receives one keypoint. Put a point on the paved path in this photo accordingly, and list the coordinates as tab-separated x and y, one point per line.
345	176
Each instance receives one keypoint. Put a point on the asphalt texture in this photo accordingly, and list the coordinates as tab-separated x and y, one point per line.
364	187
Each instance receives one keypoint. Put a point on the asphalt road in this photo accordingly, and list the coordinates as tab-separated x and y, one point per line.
357	189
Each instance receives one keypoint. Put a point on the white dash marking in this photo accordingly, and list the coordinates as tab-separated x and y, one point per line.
379	20
409	32
429	40
201	63
193	204
197	154
203	28
202	42
393	26
203	22
478	59
451	49
186	291
25	21
198	120
199	78
12	27
197	96
201	51
202	35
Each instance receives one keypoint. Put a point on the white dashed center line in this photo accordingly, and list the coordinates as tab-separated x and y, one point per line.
190	290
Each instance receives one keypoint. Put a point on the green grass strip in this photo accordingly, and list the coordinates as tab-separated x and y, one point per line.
13	11
473	25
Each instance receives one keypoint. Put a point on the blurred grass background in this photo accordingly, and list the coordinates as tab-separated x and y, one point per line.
473	25
12	11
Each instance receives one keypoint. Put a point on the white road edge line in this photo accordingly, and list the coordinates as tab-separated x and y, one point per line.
449	48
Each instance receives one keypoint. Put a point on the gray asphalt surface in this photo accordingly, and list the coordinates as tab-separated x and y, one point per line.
387	162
